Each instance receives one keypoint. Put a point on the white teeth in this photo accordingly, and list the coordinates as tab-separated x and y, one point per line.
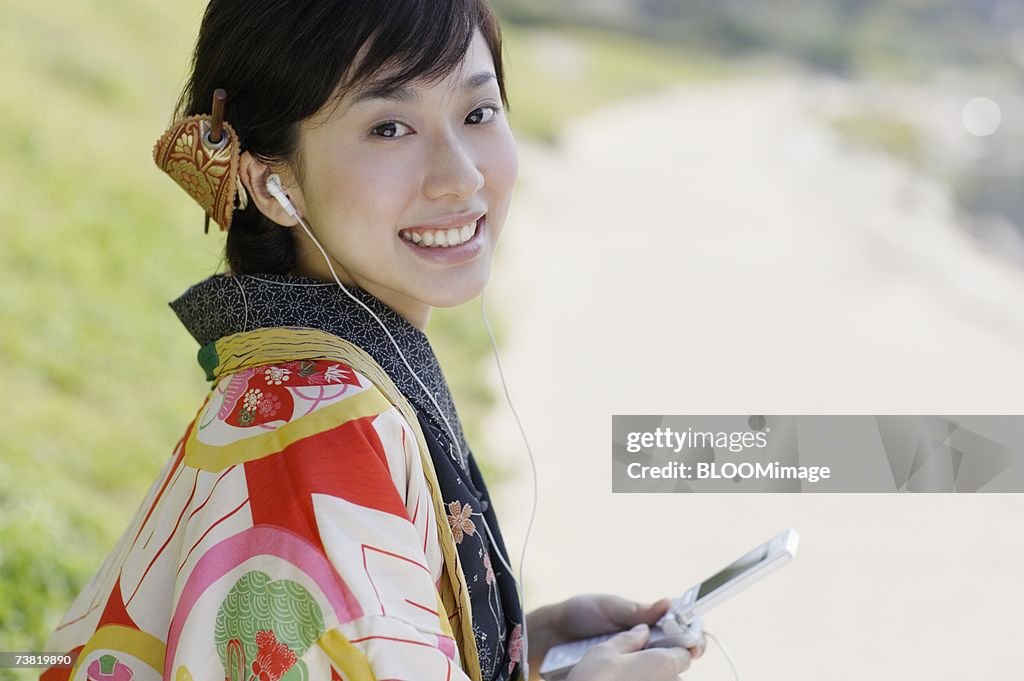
442	238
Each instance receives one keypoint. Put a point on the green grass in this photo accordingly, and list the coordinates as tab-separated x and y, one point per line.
99	378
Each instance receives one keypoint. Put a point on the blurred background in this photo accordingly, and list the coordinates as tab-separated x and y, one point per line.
724	207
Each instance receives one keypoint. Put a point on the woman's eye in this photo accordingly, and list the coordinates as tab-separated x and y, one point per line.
391	129
484	114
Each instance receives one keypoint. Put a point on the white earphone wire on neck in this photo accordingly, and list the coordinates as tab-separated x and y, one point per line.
277	191
274	187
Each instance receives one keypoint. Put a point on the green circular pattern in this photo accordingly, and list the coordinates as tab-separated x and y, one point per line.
256	603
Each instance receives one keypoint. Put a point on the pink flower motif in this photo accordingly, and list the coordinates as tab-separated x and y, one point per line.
460	520
490	570
515	648
269	404
273	658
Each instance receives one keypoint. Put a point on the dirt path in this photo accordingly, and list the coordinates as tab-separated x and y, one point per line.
719	251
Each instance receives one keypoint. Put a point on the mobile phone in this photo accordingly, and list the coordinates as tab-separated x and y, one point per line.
683	621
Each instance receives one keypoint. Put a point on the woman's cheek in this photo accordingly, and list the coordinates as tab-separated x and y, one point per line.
502	169
386	182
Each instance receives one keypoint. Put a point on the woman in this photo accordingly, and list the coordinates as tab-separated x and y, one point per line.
323	516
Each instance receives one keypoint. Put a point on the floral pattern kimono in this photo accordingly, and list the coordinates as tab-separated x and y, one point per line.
316	521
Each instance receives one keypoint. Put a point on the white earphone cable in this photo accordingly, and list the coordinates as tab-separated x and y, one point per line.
728	657
245	304
286	204
533	468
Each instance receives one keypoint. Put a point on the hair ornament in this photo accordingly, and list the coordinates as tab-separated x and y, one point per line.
201	153
242	195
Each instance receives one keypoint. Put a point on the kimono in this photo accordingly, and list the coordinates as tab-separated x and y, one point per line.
321	518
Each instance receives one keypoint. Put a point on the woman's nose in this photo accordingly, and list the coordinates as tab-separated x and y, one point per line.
452	170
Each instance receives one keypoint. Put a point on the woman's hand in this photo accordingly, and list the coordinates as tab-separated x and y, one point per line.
595	614
623	657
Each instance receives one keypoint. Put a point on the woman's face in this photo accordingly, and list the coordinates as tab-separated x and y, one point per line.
407	190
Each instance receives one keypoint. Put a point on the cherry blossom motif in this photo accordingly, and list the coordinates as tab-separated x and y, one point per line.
490	570
515	648
277	375
273	658
460	520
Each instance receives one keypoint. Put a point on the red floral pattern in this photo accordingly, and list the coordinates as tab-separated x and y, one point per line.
273	658
261	395
269	405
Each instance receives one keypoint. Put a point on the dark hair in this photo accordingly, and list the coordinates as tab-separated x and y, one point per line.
281	61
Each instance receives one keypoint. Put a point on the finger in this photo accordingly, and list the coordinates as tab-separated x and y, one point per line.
628	641
627	613
683	658
697	650
649	614
659	607
673	658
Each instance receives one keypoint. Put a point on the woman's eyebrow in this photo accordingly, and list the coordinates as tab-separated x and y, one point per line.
403	93
479	80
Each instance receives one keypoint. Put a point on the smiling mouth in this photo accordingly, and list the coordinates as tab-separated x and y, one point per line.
441	238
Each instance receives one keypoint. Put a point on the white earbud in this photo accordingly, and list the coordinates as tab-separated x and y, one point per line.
277	191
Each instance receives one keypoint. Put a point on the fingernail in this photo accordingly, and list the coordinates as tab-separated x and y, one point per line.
638	628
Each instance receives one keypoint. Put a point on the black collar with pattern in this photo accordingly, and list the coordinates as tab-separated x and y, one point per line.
225	304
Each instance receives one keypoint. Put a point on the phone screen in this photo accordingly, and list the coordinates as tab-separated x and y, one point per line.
726	574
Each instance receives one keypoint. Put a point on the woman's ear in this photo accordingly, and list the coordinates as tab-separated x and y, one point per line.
254	176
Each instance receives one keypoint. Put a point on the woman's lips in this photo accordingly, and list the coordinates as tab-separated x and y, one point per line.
451	230
431	237
432	244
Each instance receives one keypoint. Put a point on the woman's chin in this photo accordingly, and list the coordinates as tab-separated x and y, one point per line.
459	293
454	300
